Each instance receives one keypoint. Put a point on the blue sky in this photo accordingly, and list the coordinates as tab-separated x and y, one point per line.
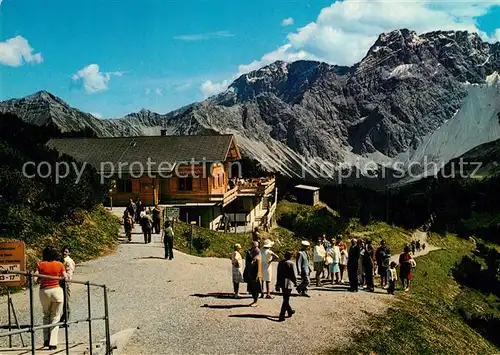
114	57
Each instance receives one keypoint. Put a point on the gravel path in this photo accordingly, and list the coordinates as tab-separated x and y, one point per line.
181	307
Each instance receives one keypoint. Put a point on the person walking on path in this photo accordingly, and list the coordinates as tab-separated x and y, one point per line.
51	294
253	272
384	256
304	269
334	266
327	245
368	265
147	226
168	240
256	235
392	277
413	247
128	225
132	209
361	271
343	260
267	256
69	266
405	265
287	279
352	266
237	263
319	260
138	210
157	219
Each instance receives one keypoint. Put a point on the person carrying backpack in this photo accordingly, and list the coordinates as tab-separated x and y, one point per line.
168	240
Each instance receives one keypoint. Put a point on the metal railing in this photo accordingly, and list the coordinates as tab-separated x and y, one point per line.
31	328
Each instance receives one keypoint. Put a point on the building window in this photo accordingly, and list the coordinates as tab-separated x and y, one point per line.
186	184
124	186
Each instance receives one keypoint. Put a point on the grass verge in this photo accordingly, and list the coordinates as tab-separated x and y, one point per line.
209	243
428	320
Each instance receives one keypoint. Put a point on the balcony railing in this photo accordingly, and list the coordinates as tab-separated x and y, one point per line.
260	186
251	187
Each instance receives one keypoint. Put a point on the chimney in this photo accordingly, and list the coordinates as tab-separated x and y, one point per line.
163	132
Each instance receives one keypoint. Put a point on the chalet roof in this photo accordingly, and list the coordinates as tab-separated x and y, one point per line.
307	187
164	152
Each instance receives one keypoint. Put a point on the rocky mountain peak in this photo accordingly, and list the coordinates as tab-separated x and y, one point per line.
287	81
46	97
305	115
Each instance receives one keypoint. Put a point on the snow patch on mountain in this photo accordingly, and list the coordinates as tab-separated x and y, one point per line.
402	71
475	123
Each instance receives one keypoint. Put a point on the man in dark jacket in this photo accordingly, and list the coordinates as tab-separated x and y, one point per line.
352	266
287	280
156	219
147	227
368	265
303	268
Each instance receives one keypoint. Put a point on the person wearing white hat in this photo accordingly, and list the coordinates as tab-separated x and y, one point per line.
267	256
237	262
303	268
319	260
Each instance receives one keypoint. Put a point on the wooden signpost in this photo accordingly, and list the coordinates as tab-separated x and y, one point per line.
12	258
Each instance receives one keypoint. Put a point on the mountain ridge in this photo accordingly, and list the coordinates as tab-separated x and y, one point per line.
309	117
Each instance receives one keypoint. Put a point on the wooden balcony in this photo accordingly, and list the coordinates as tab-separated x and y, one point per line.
256	187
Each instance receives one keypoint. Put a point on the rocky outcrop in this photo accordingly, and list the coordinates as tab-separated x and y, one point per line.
309	118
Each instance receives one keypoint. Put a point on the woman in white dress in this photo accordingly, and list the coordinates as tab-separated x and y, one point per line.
267	270
237	267
334	266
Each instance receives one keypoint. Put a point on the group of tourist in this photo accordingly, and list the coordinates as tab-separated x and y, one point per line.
52	295
149	219
361	262
256	271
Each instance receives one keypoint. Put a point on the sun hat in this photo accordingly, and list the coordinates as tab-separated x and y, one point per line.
268	243
305	243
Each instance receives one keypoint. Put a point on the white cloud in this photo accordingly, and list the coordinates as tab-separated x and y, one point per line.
147	91
496	35
184	86
0	2
204	36
93	79
287	22
208	88
16	51
285	52
159	92
96	115
345	30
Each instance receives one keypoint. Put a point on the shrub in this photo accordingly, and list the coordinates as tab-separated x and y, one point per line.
309	221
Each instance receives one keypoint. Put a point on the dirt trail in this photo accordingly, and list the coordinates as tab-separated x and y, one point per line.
422	236
182	307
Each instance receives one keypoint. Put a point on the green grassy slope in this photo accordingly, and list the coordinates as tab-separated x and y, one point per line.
428	320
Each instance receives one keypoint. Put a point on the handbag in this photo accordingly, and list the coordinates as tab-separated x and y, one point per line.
413	263
328	260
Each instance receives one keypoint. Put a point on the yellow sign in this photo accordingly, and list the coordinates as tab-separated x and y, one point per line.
12	258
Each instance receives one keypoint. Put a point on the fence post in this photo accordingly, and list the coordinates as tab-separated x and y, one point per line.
32	317
10	320
89	311
106	321
66	316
